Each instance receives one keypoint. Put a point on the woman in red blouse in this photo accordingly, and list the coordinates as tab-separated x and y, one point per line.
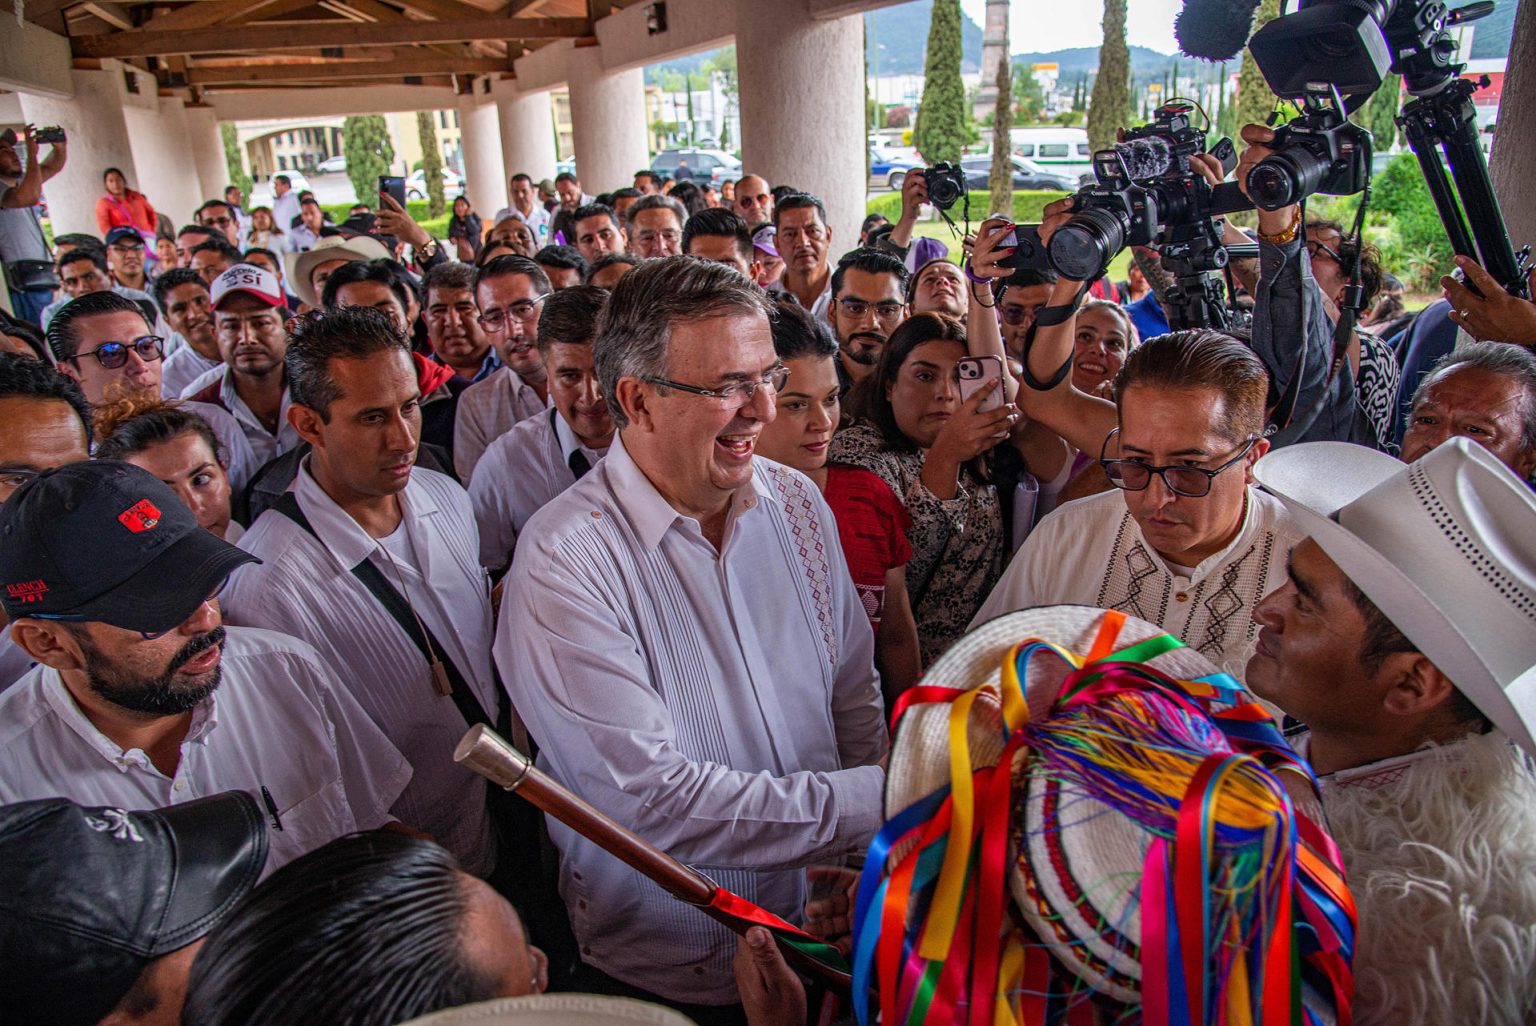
121	207
872	524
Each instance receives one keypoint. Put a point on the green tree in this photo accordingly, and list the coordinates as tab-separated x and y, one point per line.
1225	117
1028	97
1000	177
1110	107
1380	111
1254	100
238	176
431	164
365	141
721	68
942	130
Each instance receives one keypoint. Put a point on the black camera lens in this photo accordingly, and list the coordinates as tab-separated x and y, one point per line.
1082	248
1284	178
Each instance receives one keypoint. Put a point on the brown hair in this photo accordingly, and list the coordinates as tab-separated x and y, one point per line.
1203	358
868	401
132	424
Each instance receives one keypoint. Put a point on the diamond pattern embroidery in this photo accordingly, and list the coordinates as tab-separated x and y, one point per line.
806	529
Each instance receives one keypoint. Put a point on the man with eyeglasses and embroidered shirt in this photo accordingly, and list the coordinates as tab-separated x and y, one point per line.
107	345
656	226
542	456
250	317
373	561
511	292
682	637
868	292
142	697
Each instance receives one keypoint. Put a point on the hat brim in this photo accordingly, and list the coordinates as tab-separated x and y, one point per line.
357	248
169	588
221	849
556	1010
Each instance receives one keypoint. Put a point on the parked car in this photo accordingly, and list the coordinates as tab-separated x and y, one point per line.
416	185
332	165
885	169
696	164
1026	175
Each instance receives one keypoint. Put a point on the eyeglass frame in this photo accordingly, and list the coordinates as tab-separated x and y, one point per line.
746	389
22	472
158	349
500	325
843	301
146	635
1210	475
652	234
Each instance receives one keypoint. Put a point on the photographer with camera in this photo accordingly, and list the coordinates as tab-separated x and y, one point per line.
24	253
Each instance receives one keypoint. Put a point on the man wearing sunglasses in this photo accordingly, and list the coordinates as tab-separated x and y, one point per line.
682	636
1184	540
143	698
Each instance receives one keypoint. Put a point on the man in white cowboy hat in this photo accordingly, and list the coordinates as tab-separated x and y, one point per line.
1405	640
308	271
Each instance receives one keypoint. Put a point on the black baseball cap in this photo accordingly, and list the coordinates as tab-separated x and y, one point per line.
122	234
93	895
106	541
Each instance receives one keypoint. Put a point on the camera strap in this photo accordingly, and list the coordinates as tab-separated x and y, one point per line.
1049	317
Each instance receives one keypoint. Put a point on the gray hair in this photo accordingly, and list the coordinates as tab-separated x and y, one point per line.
1503	358
655	202
634	330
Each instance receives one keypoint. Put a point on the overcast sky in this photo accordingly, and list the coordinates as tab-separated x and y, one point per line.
1046	25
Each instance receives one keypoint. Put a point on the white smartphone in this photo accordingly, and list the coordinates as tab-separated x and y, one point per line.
978	374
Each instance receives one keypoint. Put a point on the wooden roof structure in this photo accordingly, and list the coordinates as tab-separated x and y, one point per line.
209	46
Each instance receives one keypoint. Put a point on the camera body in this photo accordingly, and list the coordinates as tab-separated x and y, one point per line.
946	184
51	134
1321	151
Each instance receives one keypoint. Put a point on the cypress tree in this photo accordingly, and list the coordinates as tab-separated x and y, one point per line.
365	141
940	131
1254	100
1110	107
1000	179
431	164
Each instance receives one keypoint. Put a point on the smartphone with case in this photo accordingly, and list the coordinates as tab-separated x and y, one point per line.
394	187
978	374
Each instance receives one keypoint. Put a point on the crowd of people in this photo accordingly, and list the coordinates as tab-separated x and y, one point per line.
684	495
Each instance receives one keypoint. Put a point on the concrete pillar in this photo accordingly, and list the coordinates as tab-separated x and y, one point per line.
206	147
789	65
527	135
160	151
485	176
607	122
98	139
1514	149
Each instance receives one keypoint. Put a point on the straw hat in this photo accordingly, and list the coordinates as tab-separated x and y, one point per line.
556	1010
1445	547
1077	862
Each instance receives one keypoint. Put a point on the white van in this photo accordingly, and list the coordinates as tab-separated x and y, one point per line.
1062	150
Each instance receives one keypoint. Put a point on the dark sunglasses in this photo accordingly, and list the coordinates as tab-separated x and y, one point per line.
113	355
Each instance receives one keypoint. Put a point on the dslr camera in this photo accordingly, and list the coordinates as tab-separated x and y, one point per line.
1146	193
946	184
1321	151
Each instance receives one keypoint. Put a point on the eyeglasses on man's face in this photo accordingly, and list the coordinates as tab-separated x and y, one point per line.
735	395
885	309
113	355
1190	482
524	310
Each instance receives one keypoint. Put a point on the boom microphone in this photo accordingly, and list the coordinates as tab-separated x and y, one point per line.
1145	158
1214	30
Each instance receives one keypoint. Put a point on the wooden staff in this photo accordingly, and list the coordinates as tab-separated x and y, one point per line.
489	755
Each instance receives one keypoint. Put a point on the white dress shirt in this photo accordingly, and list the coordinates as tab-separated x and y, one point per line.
1091	552
182	367
520	472
277	720
537	219
264	444
487	410
284	209
14	660
305	587
724	705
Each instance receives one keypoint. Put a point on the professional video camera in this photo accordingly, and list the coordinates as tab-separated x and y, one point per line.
1321	151
1353	45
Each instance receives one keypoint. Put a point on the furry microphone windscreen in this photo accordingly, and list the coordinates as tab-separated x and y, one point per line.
1214	30
1145	158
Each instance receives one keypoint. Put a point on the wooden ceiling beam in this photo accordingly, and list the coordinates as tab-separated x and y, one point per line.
332	71
255	38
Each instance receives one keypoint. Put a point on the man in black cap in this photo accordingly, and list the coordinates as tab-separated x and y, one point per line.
142	698
108	932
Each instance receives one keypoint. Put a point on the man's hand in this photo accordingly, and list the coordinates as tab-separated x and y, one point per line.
830	917
1055	214
914	193
31	144
393	220
771	993
1496	316
1258	138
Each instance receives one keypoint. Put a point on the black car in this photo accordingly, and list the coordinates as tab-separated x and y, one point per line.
696	165
1026	175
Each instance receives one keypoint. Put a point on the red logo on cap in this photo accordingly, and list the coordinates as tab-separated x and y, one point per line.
27	591
140	517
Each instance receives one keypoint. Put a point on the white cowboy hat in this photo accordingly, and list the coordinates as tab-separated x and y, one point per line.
1445	547
556	1010
1075	875
332	247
